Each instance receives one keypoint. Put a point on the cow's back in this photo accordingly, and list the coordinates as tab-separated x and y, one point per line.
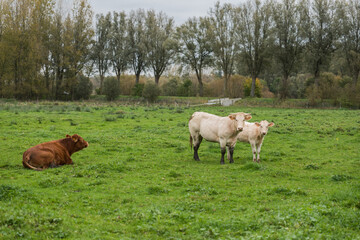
207	125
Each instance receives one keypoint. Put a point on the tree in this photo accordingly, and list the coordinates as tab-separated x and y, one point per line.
161	46
224	43
320	33
101	47
4	48
137	42
119	44
253	34
288	41
349	16
57	58
195	46
80	31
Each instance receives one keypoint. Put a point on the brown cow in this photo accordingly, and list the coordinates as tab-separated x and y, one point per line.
54	153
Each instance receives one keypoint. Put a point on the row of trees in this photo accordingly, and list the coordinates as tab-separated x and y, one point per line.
45	52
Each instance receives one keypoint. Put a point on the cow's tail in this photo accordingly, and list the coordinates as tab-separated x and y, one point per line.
27	164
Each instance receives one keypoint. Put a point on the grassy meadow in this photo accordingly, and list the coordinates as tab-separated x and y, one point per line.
138	180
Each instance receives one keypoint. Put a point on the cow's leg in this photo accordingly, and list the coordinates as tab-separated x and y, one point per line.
223	150
197	142
253	148
227	153
231	150
258	149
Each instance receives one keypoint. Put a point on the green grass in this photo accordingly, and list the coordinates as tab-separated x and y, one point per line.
138	180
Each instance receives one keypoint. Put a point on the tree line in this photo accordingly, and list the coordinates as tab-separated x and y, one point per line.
48	52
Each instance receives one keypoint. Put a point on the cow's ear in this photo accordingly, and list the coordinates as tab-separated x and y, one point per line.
248	116
75	138
68	136
271	124
232	116
257	124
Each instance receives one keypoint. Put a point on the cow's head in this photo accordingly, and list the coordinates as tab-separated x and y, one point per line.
264	127
240	119
79	142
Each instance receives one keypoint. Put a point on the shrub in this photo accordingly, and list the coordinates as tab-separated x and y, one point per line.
170	88
185	88
151	92
137	90
297	86
111	88
83	89
236	86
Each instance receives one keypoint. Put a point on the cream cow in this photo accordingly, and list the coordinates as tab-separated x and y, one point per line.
223	130
254	133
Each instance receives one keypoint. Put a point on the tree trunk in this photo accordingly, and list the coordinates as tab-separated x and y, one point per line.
252	92
284	87
355	77
118	78
157	78
101	83
226	85
201	87
137	80
317	72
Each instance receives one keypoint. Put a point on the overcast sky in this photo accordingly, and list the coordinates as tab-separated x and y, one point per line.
181	10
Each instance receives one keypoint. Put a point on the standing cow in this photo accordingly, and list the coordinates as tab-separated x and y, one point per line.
254	133
223	130
54	153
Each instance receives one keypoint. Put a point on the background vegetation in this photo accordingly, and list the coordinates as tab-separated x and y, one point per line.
137	179
296	48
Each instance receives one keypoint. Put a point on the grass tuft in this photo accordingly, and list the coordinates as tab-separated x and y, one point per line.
340	178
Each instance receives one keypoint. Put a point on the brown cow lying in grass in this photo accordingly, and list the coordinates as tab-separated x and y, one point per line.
54	153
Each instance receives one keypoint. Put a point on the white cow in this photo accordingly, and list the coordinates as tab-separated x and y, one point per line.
254	133
223	130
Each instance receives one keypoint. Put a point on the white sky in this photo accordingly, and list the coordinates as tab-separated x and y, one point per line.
180	10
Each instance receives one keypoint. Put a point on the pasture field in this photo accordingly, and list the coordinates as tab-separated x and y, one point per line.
138	180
